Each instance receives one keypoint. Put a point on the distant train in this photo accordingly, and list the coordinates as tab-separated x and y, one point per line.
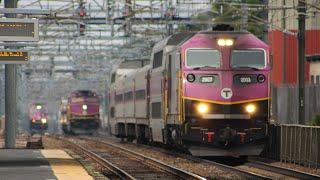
38	117
80	113
207	92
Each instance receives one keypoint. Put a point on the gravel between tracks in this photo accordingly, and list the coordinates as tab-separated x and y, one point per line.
297	167
201	168
290	166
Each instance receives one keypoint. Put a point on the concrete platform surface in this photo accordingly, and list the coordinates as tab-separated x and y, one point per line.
30	164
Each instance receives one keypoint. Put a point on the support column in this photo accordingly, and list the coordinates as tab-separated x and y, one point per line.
10	94
301	59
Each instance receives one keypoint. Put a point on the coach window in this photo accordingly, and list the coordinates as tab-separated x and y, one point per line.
128	96
157	59
113	77
140	94
119	98
156	110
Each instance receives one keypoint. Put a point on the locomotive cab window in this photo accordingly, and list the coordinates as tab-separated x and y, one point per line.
157	59
203	58
248	58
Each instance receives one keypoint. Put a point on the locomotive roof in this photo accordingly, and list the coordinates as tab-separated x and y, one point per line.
133	64
179	38
224	32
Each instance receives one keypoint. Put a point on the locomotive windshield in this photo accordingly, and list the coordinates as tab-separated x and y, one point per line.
83	93
248	58
203	58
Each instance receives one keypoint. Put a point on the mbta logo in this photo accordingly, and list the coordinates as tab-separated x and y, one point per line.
226	93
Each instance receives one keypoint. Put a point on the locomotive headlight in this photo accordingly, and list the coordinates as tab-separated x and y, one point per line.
251	108
84	107
221	42
225	42
39	107
43	120
229	42
202	108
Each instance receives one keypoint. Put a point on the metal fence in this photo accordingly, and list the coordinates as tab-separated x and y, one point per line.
284	103
295	144
300	145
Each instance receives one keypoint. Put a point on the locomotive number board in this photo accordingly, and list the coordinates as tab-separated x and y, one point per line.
13	29
13	57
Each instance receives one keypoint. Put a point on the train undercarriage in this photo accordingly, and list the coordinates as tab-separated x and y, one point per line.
81	126
199	142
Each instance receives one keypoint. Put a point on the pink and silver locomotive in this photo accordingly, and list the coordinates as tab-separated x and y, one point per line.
205	91
38	115
82	113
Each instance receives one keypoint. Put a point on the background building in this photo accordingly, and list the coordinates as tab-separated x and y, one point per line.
283	41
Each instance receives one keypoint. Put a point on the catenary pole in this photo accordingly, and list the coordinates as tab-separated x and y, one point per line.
301	59
10	93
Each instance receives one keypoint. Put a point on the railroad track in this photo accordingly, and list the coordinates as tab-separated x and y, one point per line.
127	164
284	171
271	172
242	173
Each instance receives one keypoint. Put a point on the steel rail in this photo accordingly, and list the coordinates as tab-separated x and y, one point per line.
103	162
153	162
242	173
283	171
238	171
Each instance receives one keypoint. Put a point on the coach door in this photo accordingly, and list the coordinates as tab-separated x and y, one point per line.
156	96
173	67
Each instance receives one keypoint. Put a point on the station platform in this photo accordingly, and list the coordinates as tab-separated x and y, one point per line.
30	164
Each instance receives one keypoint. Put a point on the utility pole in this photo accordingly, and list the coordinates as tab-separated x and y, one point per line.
266	20
169	16
284	56
10	93
301	58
